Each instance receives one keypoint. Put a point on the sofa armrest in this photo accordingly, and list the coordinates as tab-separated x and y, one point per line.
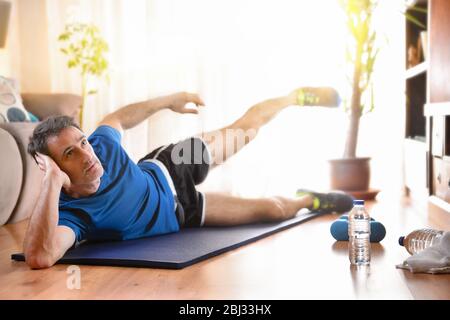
30	176
44	105
11	173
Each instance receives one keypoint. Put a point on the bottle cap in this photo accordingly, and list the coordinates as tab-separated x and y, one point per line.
400	241
358	202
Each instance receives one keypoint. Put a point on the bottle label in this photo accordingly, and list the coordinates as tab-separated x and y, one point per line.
359	226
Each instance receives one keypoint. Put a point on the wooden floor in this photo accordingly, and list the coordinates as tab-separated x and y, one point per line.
303	262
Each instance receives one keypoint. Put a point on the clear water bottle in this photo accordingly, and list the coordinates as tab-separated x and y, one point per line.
359	234
420	239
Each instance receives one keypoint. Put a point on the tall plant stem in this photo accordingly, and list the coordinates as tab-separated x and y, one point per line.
84	95
355	114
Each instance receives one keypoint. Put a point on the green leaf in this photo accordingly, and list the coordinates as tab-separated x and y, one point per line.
372	103
90	92
86	49
64	36
414	20
418	9
72	64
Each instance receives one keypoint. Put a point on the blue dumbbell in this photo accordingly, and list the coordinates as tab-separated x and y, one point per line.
339	229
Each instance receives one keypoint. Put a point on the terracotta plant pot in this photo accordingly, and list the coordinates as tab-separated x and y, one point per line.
350	174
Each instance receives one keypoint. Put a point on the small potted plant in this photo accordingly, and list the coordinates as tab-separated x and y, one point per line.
86	50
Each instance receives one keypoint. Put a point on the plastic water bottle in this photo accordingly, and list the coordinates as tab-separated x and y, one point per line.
420	239
359	234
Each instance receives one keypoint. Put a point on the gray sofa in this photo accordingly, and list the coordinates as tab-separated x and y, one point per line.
19	175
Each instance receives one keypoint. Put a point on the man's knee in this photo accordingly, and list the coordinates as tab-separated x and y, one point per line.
202	160
200	173
275	210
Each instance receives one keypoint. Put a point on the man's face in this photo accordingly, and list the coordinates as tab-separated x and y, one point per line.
74	155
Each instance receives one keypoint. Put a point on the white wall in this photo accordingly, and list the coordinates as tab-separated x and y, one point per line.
10	54
33	37
25	56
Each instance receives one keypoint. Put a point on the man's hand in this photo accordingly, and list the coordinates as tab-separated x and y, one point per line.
179	100
51	169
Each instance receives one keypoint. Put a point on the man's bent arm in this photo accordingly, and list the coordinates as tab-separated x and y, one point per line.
46	242
133	114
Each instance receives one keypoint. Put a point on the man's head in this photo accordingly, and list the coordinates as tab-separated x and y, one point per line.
61	139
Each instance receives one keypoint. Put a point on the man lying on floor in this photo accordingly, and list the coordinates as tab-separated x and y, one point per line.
92	190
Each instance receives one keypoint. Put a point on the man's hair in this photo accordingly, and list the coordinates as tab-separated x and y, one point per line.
46	129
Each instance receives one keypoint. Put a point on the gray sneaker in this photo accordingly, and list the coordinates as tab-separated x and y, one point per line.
336	201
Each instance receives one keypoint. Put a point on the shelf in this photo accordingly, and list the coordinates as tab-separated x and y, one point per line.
437	109
419	140
426	146
439	203
416	70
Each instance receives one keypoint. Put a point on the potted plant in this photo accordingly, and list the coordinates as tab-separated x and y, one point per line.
86	49
352	173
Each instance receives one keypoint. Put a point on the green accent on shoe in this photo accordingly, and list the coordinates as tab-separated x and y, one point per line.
316	200
316	203
318	96
301	97
307	98
328	202
301	194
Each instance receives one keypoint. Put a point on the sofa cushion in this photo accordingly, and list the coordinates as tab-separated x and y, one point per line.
11	107
11	172
45	105
32	175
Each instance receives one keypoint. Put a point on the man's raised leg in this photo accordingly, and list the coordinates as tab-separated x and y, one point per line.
225	142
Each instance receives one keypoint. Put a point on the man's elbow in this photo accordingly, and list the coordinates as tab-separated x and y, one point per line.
37	260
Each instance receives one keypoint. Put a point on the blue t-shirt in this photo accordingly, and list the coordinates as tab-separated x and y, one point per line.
133	200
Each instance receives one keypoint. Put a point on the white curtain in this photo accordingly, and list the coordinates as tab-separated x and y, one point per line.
234	53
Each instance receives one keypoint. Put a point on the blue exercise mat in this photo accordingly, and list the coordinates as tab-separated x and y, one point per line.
175	250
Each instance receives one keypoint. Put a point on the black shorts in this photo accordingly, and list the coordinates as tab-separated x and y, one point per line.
187	163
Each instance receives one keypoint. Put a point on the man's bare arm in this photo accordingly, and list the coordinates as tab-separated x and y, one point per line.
46	242
133	114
